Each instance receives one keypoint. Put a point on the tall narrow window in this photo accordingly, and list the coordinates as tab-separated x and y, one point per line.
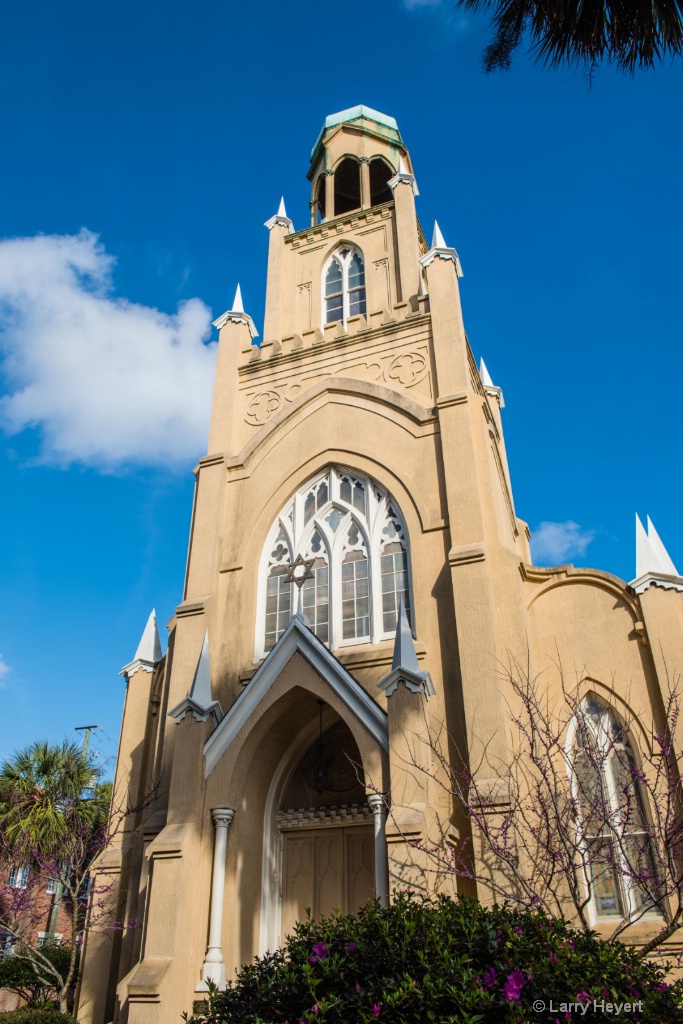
344	285
613	824
316	591
353	532
355	587
278	590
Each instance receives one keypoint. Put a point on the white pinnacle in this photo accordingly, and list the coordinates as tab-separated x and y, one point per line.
662	555
149	648
237	306
651	555
200	691
402	169
438	241
281	211
485	375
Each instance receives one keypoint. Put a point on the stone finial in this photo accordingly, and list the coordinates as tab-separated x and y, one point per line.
654	566
280	218
404	176
405	667
199	701
237	315
440	250
488	385
148	653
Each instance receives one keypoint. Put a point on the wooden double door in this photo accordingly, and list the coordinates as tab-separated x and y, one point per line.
324	868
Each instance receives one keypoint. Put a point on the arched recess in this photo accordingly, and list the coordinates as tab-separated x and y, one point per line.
346	186
296	814
380	173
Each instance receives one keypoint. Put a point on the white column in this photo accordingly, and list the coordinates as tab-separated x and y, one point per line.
378	806
213	968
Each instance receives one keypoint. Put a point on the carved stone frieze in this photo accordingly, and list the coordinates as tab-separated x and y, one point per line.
402	370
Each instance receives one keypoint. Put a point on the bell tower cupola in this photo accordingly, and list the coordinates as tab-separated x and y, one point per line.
356	154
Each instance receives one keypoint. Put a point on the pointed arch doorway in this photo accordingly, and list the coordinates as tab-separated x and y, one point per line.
321	836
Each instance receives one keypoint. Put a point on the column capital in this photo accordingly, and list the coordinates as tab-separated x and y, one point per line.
222	816
377	803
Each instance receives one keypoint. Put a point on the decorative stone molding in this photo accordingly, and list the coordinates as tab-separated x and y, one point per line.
316	817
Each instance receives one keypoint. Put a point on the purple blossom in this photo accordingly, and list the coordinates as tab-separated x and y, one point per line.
375	1009
357	987
518	931
662	987
318	953
489	978
583	997
315	1009
351	948
553	958
513	987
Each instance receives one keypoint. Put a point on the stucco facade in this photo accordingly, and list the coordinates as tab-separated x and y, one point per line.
383	417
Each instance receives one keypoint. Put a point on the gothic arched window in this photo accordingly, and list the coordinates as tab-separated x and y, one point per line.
355	534
344	285
613	826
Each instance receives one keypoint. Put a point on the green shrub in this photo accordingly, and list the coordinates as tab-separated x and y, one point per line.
33	1015
18	975
447	962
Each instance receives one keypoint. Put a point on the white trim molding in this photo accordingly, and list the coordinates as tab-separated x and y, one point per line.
297	637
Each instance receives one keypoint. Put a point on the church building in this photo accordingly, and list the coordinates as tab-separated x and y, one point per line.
357	575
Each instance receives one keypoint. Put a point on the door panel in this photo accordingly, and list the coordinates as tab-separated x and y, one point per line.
326	868
297	890
329	878
360	868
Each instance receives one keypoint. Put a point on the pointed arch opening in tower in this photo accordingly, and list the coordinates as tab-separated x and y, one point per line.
320	197
380	173
346	187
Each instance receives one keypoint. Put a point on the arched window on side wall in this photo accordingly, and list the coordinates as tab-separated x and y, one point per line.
613	826
355	534
344	285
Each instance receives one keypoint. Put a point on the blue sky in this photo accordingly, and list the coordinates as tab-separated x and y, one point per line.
143	146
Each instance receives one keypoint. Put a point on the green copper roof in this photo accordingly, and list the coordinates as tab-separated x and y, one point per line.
352	114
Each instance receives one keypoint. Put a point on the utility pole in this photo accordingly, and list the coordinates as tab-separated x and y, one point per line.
87	729
59	890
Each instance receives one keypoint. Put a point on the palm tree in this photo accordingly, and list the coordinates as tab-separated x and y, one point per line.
54	812
629	33
44	791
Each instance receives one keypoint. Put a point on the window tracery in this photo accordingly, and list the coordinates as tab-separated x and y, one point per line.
353	530
344	285
613	821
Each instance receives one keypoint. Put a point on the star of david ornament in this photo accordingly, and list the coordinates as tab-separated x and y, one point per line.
300	570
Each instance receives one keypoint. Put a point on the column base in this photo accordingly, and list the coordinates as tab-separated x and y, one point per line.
214	973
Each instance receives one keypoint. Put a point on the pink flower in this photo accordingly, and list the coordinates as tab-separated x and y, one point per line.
351	948
583	997
357	987
489	978
518	931
662	987
375	1010
553	958
513	987
318	953
315	1009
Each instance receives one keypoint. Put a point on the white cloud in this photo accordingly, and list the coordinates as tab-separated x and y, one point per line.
107	382
556	543
4	669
